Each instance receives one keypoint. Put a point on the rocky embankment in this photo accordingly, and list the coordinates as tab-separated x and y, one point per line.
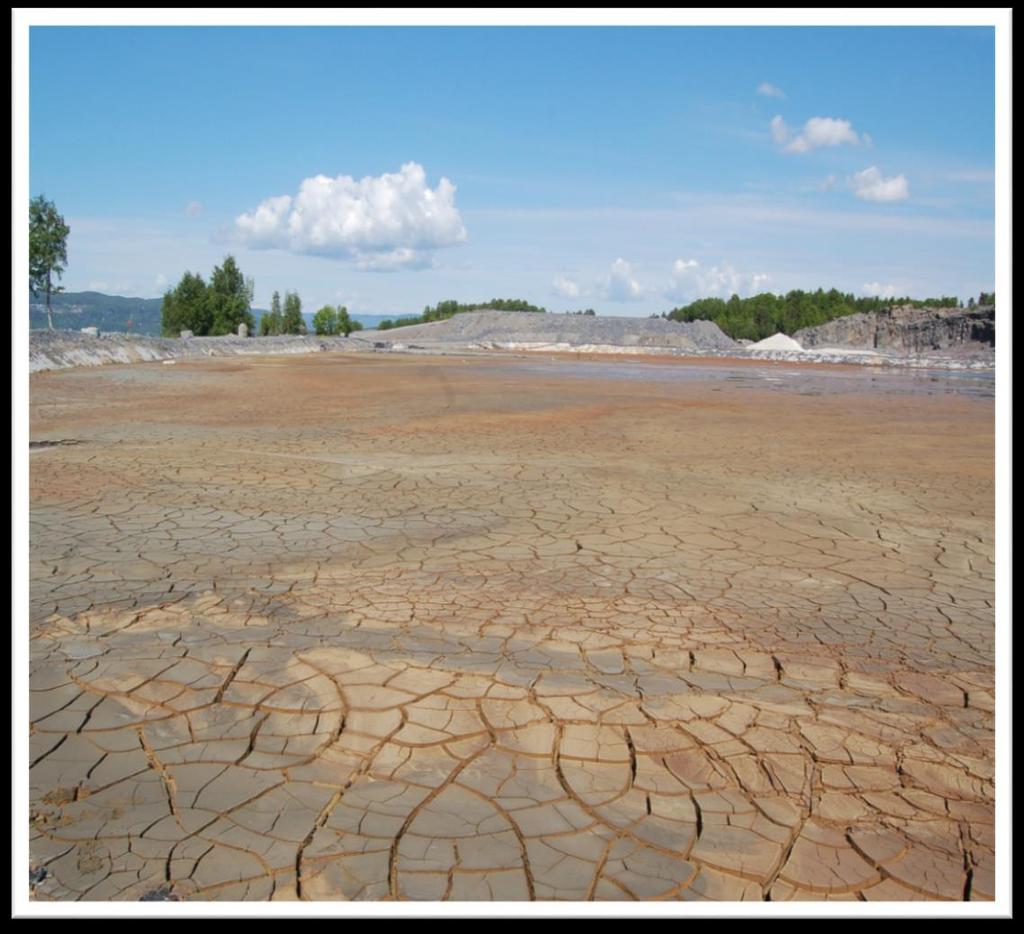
908	330
57	350
510	331
502	330
903	337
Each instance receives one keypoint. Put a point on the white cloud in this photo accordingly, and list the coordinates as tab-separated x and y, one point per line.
265	227
870	185
769	90
619	284
394	260
194	208
565	287
379	222
828	183
780	132
691	281
816	132
877	290
160	282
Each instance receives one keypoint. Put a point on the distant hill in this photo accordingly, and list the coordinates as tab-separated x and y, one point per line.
75	310
369	322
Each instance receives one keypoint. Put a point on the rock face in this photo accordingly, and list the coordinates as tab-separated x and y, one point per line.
905	328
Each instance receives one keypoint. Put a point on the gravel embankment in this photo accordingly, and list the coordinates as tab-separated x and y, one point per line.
519	330
483	332
56	350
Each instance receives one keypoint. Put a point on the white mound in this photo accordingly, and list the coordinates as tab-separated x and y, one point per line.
776	342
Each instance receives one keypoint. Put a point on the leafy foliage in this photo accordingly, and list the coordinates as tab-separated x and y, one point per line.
229	298
186	307
760	316
215	308
330	320
325	321
272	322
292	322
47	249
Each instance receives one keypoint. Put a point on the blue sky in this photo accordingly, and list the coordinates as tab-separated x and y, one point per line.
625	169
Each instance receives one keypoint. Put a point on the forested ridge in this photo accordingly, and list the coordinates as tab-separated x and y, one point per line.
760	316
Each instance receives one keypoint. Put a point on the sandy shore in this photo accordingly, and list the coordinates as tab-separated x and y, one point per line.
377	627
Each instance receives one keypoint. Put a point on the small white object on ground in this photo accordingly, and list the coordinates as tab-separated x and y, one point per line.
777	341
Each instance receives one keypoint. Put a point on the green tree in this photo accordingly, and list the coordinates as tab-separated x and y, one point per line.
270	324
48	249
186	308
292	322
228	299
345	324
325	321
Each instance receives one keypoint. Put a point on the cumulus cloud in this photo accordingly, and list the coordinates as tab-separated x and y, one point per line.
620	285
394	260
565	287
194	208
828	183
378	222
780	132
870	185
691	280
877	290
816	132
769	90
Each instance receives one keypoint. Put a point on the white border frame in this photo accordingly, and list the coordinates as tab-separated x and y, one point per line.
999	18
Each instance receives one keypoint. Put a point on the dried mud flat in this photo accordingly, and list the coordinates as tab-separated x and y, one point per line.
406	628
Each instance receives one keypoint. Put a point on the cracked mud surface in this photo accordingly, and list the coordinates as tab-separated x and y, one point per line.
439	629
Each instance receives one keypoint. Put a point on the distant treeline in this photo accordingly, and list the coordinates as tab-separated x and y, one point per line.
74	310
761	316
451	308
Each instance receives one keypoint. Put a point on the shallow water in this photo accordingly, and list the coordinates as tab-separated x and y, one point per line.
803	380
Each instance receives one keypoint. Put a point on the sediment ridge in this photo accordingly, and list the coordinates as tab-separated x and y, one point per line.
929	338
